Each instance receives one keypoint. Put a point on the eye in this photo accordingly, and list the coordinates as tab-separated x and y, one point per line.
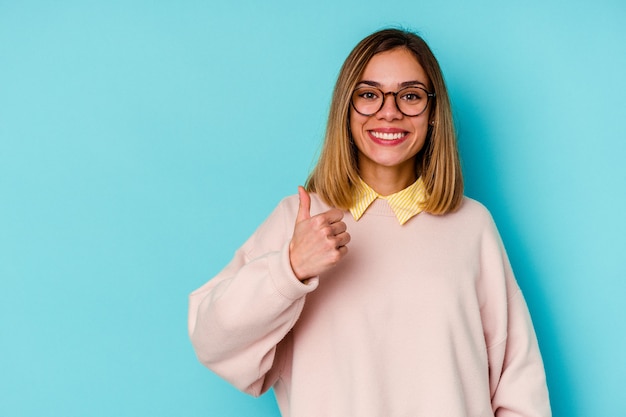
368	94
413	95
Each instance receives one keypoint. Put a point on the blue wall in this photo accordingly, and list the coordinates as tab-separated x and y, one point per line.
142	141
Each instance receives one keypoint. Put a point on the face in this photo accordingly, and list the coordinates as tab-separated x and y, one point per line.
388	141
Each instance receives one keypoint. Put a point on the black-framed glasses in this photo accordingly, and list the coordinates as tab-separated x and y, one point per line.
411	101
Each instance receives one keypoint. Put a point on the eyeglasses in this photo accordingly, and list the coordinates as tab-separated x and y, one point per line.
411	101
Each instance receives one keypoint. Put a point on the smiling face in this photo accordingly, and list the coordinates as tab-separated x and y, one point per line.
388	141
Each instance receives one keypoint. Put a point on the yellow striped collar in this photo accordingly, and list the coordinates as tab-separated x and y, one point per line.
405	204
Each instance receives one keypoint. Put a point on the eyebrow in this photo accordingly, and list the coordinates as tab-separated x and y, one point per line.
402	85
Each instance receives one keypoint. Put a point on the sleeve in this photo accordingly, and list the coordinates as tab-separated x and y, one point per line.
516	373
239	318
516	367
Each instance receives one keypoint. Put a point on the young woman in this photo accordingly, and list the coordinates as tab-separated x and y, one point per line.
379	290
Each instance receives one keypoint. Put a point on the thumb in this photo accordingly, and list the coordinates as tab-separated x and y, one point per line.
304	210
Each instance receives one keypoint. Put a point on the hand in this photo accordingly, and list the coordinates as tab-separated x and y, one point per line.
318	242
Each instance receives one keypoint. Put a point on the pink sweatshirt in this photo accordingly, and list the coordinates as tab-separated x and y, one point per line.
424	319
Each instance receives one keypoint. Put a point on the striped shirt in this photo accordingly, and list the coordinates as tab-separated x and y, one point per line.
405	204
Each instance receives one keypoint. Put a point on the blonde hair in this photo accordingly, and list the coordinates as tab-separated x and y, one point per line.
438	163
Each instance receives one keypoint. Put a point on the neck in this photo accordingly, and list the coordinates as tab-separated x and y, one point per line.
387	181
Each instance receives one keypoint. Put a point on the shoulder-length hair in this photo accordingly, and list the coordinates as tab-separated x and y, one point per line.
336	172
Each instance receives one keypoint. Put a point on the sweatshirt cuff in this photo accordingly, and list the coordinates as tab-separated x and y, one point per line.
284	278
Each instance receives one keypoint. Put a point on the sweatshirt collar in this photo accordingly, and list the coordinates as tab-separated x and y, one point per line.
405	204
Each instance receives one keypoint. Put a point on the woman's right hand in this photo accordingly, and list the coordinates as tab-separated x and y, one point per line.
318	242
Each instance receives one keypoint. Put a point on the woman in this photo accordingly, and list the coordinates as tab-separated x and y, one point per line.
422	316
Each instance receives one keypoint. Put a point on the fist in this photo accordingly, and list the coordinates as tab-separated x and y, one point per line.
319	242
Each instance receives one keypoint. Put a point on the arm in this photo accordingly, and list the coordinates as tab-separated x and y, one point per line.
238	319
516	368
516	374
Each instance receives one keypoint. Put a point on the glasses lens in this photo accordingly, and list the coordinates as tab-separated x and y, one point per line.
367	100
412	100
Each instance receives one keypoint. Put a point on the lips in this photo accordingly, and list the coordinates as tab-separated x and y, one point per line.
388	136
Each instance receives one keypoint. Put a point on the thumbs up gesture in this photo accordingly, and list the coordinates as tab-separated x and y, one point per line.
318	242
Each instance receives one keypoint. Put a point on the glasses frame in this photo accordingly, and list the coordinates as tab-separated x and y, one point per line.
395	94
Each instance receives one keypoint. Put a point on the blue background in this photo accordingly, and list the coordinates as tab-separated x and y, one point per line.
141	142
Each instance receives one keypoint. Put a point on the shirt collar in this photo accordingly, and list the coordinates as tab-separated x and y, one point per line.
405	204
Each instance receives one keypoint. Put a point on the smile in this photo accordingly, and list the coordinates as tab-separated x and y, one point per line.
388	136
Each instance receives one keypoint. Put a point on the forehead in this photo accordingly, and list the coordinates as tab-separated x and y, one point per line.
394	67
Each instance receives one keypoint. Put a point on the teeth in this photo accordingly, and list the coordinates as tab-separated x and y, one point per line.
387	136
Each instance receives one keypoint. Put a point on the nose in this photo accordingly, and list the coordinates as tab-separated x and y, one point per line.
389	111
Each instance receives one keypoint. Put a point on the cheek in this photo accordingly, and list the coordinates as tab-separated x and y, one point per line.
421	127
354	122
356	132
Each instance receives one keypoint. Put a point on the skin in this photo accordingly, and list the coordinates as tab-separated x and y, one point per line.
318	242
388	166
